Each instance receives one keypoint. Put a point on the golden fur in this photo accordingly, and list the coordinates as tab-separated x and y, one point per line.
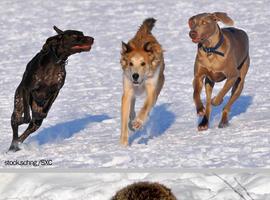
141	56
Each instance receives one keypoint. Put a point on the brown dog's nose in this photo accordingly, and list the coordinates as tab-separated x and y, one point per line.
193	34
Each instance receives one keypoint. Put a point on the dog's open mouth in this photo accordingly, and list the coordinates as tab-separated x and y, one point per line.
82	47
197	40
136	83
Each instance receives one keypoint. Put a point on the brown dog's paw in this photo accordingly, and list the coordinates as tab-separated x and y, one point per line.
223	124
137	124
216	101
203	125
201	111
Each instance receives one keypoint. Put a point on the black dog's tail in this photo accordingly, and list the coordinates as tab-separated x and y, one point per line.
147	26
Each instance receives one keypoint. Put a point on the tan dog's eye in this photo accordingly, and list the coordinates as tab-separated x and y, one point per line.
143	64
130	64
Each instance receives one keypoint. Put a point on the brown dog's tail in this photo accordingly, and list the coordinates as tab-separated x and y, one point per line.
146	27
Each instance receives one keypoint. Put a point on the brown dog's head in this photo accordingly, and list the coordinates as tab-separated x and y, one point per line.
139	63
144	191
203	26
68	42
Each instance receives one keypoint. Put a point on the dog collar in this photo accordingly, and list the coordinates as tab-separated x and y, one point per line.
59	60
213	49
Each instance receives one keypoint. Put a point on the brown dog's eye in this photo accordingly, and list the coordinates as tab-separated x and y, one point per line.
204	22
131	64
143	64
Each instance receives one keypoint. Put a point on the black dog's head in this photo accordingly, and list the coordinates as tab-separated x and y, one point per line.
68	42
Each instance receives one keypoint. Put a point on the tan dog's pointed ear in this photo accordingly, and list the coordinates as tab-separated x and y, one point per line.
126	48
223	17
148	47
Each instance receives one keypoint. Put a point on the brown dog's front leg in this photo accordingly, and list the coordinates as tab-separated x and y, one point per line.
206	118
148	104
125	113
197	85
217	100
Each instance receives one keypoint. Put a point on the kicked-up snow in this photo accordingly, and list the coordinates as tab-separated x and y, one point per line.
82	129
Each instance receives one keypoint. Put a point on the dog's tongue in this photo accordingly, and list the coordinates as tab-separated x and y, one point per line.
82	47
196	40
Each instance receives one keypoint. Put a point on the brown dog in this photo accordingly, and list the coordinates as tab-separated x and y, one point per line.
42	80
143	65
144	191
222	54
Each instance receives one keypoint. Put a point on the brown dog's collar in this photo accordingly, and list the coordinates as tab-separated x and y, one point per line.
213	49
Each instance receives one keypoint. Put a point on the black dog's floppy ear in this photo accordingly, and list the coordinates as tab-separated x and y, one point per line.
52	41
58	30
148	47
126	48
223	17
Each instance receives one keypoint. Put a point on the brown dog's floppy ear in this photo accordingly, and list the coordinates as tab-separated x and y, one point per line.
223	17
126	48
148	47
57	30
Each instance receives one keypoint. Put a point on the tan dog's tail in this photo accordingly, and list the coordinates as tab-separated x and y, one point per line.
146	27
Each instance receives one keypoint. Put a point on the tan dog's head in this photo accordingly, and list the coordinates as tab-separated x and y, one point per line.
203	26
139	63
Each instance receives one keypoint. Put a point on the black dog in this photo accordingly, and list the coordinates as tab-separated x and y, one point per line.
42	80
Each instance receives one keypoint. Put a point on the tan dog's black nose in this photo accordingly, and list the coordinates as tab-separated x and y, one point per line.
193	34
135	76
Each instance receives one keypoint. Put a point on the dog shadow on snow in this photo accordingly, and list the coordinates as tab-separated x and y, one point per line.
66	130
160	120
240	106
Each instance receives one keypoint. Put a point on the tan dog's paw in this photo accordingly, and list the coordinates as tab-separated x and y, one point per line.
137	124
201	111
124	141
216	101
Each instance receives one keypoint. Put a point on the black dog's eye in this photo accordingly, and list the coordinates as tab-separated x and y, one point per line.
143	64
131	64
75	37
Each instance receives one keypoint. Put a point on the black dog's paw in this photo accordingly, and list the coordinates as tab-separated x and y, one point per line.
14	146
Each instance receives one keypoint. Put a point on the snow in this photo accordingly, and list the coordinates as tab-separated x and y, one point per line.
102	186
82	129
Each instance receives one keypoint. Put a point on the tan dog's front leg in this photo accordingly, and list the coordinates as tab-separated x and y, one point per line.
148	104
125	113
197	85
217	100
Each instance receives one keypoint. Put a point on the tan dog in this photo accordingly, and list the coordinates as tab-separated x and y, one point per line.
144	191
222	54
143	65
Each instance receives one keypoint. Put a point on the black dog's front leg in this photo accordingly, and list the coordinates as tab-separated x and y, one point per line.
38	115
33	126
21	107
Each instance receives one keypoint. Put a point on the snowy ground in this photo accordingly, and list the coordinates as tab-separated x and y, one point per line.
83	127
187	186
